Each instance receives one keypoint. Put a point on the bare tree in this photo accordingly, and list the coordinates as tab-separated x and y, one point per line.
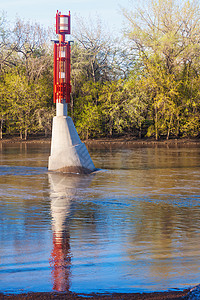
6	48
98	47
32	46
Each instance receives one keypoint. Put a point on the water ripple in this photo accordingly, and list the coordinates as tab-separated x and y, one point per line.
21	170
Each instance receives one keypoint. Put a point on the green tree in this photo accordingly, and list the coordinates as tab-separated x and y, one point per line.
3	107
136	105
112	100
88	124
26	80
20	97
166	40
87	110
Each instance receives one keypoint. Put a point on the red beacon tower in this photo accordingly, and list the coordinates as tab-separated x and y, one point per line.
68	153
62	86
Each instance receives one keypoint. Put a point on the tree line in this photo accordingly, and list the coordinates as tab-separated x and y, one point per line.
144	85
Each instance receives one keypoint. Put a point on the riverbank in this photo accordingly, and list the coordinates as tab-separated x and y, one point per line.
112	141
143	142
187	294
116	296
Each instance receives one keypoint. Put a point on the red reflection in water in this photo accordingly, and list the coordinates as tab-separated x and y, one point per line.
60	262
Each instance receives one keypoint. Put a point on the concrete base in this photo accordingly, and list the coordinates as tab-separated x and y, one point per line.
68	153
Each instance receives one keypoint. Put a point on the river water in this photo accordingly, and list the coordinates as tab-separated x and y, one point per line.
133	226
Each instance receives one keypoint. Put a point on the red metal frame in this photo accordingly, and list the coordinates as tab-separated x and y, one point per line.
62	49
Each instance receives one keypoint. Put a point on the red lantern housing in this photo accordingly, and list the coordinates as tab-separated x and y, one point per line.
62	86
62	23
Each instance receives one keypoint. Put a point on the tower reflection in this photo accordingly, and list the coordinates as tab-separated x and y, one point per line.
64	188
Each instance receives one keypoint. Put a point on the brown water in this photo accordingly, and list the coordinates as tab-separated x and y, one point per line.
133	226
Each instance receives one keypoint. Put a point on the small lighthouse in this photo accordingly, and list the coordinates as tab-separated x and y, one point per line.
68	153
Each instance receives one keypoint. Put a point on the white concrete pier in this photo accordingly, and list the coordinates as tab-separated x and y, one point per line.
68	153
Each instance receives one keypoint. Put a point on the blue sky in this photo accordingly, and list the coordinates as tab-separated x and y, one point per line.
43	11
